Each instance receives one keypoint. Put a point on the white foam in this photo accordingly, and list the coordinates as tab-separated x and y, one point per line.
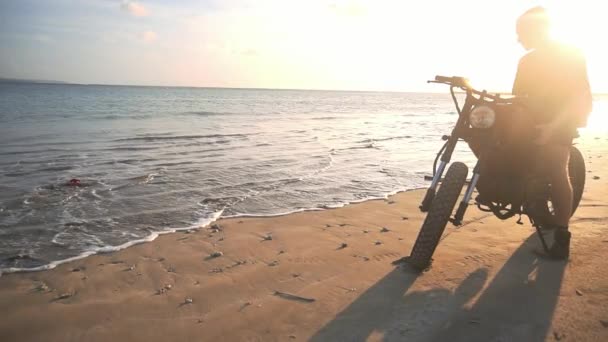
109	249
203	222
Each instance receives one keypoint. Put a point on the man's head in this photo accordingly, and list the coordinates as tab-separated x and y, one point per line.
533	28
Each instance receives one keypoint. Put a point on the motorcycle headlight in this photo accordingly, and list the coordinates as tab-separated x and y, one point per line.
482	117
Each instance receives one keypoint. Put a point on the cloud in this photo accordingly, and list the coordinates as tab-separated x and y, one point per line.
148	36
135	8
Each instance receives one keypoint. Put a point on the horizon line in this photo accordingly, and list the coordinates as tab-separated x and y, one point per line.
56	82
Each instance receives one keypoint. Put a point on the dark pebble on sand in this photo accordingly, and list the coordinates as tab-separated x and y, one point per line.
216	254
384	230
596	177
604	323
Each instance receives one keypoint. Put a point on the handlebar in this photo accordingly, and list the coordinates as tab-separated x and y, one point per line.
463	83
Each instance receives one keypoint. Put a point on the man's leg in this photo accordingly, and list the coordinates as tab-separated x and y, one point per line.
555	159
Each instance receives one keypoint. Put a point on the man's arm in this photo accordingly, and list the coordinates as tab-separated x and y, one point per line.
579	101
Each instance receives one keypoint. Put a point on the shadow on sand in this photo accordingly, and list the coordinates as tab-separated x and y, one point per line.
517	305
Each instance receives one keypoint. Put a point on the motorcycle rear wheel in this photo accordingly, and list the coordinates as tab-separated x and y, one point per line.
578	174
438	216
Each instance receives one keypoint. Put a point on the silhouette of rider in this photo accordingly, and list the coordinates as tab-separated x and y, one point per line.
553	76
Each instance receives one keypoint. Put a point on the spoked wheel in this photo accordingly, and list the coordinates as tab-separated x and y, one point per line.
541	210
438	216
543	213
578	174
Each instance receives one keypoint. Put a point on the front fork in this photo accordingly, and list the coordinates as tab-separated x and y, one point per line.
464	204
447	155
430	192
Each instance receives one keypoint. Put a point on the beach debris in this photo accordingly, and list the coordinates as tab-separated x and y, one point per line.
161	259
343	245
558	336
327	225
197	282
290	296
365	231
281	252
474	321
221	239
171	269
351	289
188	300
199	321
115	262
267	237
596	177
404	218
366	258
42	287
400	239
604	323
64	295
216	227
384	230
238	263
295	275
246	304
390	202
377	242
274	263
79	268
73	182
217	270
579	292
164	289
343	224
216	254
292	336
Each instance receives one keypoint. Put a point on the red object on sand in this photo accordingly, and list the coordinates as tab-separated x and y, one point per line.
74	182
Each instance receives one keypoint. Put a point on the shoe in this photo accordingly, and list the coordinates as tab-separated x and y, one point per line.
559	244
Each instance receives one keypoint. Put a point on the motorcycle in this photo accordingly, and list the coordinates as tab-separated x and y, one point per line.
507	179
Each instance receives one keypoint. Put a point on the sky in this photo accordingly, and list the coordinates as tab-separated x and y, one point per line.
384	45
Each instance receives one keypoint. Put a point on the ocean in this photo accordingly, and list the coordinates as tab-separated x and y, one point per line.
154	160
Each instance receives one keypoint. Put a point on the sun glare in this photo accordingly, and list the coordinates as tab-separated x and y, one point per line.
598	120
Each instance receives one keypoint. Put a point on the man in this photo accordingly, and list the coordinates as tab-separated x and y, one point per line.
554	78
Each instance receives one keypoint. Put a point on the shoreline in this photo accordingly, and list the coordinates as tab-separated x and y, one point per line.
327	275
156	234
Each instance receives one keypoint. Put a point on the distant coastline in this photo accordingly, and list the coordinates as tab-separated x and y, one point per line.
19	80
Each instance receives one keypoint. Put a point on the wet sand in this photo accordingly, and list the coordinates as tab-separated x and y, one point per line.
327	276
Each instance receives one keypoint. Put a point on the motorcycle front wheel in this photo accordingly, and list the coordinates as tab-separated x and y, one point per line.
438	216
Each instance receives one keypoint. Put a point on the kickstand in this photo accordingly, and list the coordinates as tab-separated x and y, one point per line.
542	238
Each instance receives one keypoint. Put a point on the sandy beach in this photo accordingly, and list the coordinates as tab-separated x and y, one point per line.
327	276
